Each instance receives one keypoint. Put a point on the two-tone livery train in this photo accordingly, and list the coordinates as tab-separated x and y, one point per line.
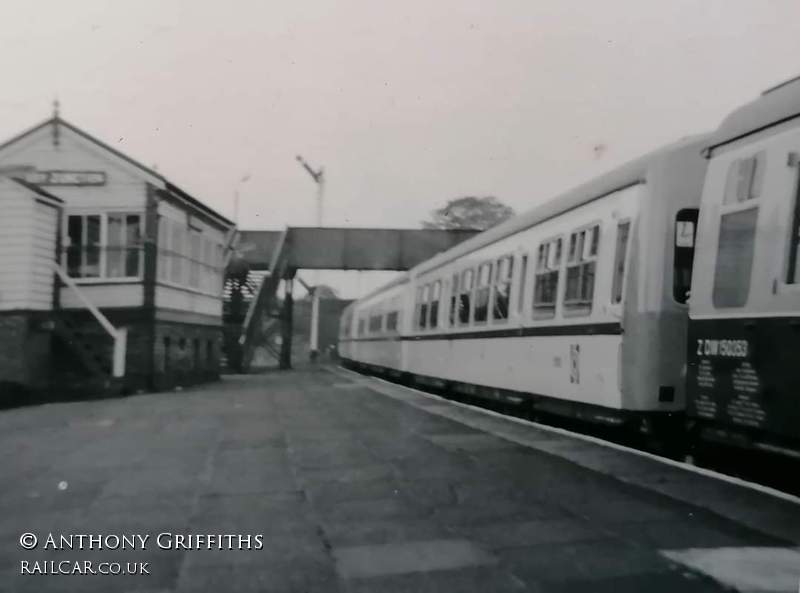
744	319
668	285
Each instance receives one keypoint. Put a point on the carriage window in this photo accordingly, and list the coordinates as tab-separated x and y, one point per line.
361	327
522	277
346	321
745	178
391	321
623	230
464	297
482	292
436	293
375	323
548	266
685	232
581	264
502	287
737	233
453	300
423	307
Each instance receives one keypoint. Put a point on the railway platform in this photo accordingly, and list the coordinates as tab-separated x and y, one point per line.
344	483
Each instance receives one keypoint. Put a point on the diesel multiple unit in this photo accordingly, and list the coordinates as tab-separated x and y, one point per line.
663	295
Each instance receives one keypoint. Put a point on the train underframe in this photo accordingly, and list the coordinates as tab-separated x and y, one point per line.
658	431
751	455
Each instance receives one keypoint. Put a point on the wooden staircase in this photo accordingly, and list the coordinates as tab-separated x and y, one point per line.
262	320
92	350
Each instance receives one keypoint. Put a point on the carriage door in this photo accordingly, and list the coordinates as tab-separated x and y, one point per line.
685	233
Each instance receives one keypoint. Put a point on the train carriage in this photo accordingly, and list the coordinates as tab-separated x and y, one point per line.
743	375
576	307
370	329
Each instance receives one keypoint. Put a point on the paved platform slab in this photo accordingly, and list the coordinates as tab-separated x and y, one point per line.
355	485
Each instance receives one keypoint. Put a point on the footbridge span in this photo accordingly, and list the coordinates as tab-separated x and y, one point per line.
251	322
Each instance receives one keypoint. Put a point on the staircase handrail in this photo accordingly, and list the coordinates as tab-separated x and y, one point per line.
263	298
274	277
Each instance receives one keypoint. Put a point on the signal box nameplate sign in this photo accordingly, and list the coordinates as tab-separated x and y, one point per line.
74	178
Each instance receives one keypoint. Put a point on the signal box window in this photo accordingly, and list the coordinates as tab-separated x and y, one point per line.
453	300
502	287
737	233
104	245
124	240
464	297
581	264
436	294
623	230
83	248
548	267
482	292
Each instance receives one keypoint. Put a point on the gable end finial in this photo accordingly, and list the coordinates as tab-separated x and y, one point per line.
56	106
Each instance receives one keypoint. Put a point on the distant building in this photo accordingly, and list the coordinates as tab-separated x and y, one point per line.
147	255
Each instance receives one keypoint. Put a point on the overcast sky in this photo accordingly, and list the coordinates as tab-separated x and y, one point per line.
406	104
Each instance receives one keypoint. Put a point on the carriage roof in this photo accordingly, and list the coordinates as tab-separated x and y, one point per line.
624	176
776	105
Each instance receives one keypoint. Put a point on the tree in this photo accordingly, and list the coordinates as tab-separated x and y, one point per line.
469	213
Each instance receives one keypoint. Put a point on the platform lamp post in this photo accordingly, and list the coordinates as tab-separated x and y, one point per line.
319	179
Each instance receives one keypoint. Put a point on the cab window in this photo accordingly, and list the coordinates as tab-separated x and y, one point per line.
744	180
737	233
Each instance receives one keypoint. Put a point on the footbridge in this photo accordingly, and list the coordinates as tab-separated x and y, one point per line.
251	322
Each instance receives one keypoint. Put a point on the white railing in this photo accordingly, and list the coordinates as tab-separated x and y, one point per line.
119	335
